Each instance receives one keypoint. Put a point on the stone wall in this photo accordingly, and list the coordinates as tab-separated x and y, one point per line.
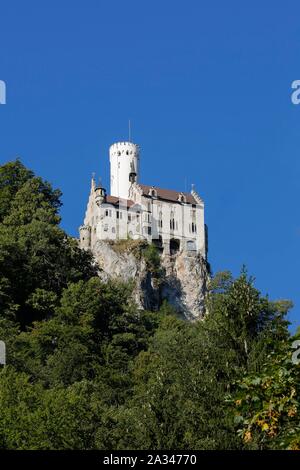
181	278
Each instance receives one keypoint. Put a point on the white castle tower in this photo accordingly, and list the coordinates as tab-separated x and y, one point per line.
124	168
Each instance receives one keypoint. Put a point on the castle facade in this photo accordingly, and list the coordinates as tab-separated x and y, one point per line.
172	220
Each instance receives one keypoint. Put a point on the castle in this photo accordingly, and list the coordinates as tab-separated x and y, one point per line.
172	220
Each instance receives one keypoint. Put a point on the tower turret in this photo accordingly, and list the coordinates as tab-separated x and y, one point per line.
100	194
124	168
85	237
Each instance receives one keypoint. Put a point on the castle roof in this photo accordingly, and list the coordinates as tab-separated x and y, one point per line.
160	193
167	194
116	201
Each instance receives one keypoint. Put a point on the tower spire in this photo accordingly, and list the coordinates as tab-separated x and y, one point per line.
93	185
129	130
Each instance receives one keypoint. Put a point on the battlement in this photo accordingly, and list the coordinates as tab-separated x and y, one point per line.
124	148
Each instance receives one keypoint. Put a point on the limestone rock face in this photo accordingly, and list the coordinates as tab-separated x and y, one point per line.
181	279
185	282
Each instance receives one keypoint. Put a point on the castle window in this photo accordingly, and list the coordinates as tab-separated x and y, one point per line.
172	221
106	213
149	230
160	219
113	230
191	245
149	206
129	217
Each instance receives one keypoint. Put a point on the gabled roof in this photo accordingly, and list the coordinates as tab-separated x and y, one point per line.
116	201
167	194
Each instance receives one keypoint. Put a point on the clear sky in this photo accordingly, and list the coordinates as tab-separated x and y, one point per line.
207	86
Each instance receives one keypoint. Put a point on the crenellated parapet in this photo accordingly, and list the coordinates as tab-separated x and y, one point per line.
85	236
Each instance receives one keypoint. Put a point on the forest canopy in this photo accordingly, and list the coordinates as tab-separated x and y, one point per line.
88	369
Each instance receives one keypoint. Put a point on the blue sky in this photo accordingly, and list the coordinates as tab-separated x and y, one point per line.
207	86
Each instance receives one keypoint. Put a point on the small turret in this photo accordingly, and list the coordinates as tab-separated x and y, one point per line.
100	194
85	237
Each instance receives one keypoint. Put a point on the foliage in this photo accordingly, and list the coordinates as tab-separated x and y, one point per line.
88	369
152	258
267	404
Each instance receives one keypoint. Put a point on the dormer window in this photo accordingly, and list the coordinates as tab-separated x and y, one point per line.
152	192
182	198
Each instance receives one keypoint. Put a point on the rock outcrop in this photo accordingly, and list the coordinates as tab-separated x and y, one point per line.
180	278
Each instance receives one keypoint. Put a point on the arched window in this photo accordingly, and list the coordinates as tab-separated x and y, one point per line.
174	246
160	223
172	221
191	245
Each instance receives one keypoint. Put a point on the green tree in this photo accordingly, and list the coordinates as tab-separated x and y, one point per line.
12	177
266	405
182	379
35	254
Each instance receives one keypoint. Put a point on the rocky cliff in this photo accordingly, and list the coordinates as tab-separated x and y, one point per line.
180	278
